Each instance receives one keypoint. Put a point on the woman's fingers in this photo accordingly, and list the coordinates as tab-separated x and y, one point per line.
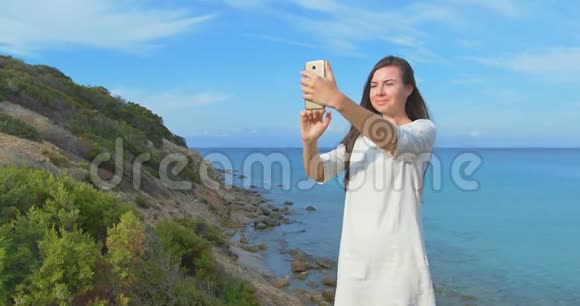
326	121
319	115
313	115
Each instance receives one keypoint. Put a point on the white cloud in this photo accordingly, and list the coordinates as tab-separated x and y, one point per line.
28	26
469	43
506	8
344	27
247	4
561	64
281	40
172	99
468	80
184	113
475	133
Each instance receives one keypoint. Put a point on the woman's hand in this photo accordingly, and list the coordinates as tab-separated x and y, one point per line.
320	90
311	124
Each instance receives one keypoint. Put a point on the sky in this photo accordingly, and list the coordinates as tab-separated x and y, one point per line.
494	73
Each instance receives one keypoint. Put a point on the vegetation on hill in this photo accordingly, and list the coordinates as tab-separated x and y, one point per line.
17	128
91	113
64	242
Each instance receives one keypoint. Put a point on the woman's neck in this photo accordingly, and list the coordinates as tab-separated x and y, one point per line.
398	120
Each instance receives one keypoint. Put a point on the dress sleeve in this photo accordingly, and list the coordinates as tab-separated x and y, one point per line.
333	163
414	140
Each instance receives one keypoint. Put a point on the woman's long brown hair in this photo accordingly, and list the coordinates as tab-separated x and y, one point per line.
414	107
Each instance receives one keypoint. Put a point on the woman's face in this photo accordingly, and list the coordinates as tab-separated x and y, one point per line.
388	93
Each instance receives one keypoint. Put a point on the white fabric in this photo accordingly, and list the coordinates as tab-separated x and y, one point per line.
382	258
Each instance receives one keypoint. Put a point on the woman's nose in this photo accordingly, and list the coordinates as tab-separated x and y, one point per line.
381	90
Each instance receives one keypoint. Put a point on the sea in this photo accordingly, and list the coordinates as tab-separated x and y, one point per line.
501	225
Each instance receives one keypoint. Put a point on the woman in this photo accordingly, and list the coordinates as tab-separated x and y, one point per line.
382	258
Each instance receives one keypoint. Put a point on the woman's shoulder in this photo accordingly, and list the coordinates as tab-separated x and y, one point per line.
424	123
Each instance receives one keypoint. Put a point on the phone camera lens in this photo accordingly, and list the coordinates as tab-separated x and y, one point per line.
313	67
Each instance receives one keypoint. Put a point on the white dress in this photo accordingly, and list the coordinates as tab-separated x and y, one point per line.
382	258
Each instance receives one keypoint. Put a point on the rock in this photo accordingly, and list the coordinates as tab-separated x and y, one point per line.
315	296
303	296
298	266
302	275
243	176
266	220
248	208
288	203
324	263
276	215
243	240
295	253
265	210
260	226
310	208
311	265
284	209
312	284
282	282
318	299
300	291
248	248
329	281
263	246
286	221
328	294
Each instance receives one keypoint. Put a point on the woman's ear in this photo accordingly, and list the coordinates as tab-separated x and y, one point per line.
409	89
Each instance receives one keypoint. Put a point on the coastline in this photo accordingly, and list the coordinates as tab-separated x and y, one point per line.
244	214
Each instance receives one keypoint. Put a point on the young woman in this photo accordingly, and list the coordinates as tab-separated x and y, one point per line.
382	258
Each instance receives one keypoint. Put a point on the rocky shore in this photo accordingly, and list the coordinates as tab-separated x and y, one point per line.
248	210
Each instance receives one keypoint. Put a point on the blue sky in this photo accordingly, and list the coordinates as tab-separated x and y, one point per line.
494	73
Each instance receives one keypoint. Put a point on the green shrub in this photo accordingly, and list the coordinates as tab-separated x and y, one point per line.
126	245
185	246
141	201
21	188
67	269
11	126
52	236
55	158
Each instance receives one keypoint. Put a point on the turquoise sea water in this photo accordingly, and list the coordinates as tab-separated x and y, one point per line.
507	233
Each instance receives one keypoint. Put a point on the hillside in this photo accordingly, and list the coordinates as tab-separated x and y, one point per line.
126	225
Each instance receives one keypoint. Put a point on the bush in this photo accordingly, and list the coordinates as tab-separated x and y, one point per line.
184	246
55	158
67	218
52	249
68	260
126	245
11	126
141	201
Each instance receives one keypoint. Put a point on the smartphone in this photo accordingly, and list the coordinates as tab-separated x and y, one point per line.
317	67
